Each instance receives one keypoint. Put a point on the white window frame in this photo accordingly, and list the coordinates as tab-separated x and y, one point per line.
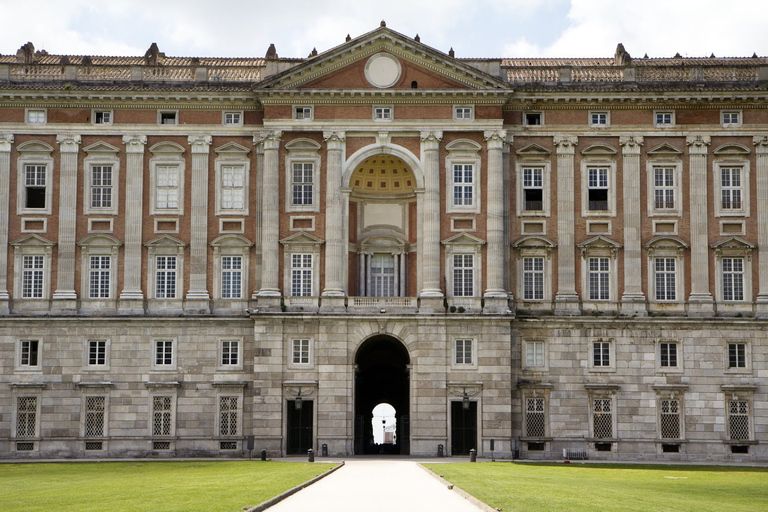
165	246
301	244
235	155
109	113
463	152
610	175
167	342
222	365
231	246
534	351
299	343
164	113
600	247
608	344
36	115
166	155
747	357
677	170
383	113
594	268
32	245
87	365
545	168
28	366
599	118
301	151
679	361
303	113
101	159
38	154
666	247
464	245
670	113
460	363
232	117
463	113
538	113
99	245
299	269
732	163
463	258
34	270
726	118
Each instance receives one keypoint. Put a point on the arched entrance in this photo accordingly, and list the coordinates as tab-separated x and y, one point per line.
382	377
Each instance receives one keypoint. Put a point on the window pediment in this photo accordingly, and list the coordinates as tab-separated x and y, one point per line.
599	244
664	150
100	241
299	145
463	239
31	241
232	149
731	150
534	242
301	239
533	150
167	149
165	241
34	146
465	146
733	245
666	242
101	147
598	150
231	241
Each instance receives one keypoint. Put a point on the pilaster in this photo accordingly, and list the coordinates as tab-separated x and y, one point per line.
700	301
495	256
65	298
6	143
429	255
633	299
335	259
761	169
259	145
198	299
131	297
270	227
566	298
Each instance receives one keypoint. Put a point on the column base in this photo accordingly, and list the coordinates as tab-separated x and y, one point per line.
269	304
269	292
332	304
130	305
496	306
701	304
197	306
64	306
634	304
431	305
761	306
431	292
567	304
5	307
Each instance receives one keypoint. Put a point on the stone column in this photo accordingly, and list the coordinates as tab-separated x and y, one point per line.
761	170
131	297
700	301
566	298
69	146
270	217
335	250
6	141
259	145
430	247
495	286
633	299
507	216
197	296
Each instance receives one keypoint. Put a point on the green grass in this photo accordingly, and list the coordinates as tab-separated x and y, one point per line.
604	487
156	486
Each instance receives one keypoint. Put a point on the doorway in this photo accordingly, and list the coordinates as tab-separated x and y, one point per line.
463	427
299	413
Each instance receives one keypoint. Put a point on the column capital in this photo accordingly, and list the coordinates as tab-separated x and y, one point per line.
565	144
270	140
200	144
334	140
698	144
760	142
630	144
495	138
431	138
68	142
134	142
6	139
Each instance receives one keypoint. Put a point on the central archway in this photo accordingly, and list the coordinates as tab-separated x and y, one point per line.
382	377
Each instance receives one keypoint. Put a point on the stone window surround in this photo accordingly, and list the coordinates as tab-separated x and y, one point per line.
534	162
166	154
603	391
100	155
29	111
29	368
739	392
231	245
301	243
98	245
229	391
86	353
747	369
165	246
664	125
664	162
600	247
534	246
738	112
670	392
600	125
464	244
34	153
302	151
473	353
94	391
463	151
680	368
230	112
232	155
174	354
535	390
24	390
611	368
731	159
666	247
734	247
160	389
298	365
598	162
32	245
219	354
464	117
545	355
307	113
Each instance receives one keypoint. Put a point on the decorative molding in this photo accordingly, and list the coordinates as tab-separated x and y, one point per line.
200	144
68	142
434	136
697	144
565	144
6	141
134	142
761	144
631	144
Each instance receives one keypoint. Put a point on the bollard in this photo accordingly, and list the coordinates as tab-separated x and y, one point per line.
311	455
325	450
472	455
263	454
440	450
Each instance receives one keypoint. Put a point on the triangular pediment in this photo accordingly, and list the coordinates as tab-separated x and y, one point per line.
665	150
301	239
599	242
533	150
165	241
733	242
382	60
33	240
101	147
232	149
463	239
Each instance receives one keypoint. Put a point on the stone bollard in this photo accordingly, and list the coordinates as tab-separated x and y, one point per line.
311	455
472	455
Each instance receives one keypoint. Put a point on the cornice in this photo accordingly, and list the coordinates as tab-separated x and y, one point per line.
394	96
126	100
704	100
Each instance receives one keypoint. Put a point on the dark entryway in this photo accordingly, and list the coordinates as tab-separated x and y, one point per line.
463	427
382	377
299	426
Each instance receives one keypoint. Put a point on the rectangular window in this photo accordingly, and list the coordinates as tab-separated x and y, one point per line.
383	275
32	277
598	118
97	353
534	118
599	279
670	418
303	183
534	354
232	187
463	275
463	113
601	354
231	277
731	117
738	419
168	118
233	118
737	355
165	277
463	184
382	113
36	116
730	188
300	352
602	418
664	188
228	415
29	355
665	276
534	417
167	187
533	278
533	189
102	117
163	352
664	118
34	186
301	275
302	113
733	279
668	354
597	188
463	351
99	277
101	186
230	352
162	415
26	416
94	416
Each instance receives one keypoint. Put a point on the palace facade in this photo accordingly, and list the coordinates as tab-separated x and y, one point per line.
541	258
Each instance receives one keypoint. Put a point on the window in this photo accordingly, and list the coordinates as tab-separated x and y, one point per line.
535	424
533	278
36	116
102	117
597	188
162	415
664	118
228	415
167	187
600	118
303	113
301	275
601	354
731	117
230	353
534	354
167	117
99	277
463	275
737	355
164	353
382	113
26	416
463	113
664	188
165	277
463	184
302	165
669	418
602	418
232	187
599	276
231	277
94	416
733	279
302	183
233	118
534	118
462	167
382	272
97	353
668	355
300	351
533	189
32	277
463	352
730	188
29	354
738	420
35	182
665	275
101	186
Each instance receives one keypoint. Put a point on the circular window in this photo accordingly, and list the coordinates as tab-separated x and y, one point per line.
382	70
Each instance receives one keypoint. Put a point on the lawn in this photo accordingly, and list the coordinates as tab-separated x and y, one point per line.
157	486
541	487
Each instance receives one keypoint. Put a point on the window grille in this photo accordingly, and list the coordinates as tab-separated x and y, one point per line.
94	445
94	416
26	417
161	412
534	417
739	419
228	445
228	415
670	419
161	445
602	418
25	447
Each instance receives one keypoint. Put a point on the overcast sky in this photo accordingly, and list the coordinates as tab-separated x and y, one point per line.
474	28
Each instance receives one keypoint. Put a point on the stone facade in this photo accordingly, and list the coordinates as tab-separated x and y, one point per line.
541	258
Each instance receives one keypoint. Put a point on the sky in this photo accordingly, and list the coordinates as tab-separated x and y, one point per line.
473	28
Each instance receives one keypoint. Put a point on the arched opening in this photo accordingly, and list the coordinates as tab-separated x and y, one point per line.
382	379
